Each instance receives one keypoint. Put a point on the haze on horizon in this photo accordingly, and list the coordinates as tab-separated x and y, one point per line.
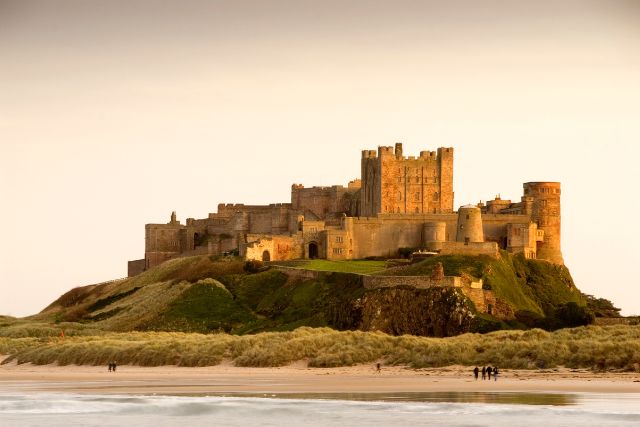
113	114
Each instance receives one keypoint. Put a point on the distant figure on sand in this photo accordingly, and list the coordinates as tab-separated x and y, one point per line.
378	368
114	366
489	371
484	372
495	373
109	366
475	373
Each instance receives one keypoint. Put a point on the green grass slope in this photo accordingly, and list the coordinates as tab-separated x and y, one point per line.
206	294
532	286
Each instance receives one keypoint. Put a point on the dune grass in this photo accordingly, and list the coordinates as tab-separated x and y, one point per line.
595	347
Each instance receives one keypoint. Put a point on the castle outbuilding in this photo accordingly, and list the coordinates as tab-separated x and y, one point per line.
398	202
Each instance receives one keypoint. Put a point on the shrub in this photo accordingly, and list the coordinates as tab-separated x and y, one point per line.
253	266
570	315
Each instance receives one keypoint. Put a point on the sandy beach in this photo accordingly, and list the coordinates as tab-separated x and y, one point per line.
297	378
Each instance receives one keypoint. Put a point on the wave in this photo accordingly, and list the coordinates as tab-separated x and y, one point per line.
599	410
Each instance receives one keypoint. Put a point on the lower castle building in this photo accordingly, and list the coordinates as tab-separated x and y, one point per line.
398	202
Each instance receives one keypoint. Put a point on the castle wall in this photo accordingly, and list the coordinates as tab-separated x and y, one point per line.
459	248
420	282
324	202
279	248
494	227
164	241
338	243
382	236
135	267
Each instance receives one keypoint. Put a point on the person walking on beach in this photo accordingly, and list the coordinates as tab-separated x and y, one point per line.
475	373
495	373
484	372
113	364
109	366
489	372
378	369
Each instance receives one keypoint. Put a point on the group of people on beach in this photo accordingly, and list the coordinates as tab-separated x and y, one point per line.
112	366
486	371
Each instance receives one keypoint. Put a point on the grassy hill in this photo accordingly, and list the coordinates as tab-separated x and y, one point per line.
533	286
207	294
263	318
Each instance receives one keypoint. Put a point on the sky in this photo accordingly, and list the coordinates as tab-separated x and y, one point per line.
113	114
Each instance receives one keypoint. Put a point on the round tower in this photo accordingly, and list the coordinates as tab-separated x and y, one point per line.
545	211
434	232
469	228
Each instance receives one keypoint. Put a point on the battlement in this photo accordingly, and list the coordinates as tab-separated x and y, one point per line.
385	151
427	154
397	152
541	187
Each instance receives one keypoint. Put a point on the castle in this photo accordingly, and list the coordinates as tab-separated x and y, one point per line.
398	202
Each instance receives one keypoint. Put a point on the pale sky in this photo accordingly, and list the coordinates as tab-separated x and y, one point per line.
115	113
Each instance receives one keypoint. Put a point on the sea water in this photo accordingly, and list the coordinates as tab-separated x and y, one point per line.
415	409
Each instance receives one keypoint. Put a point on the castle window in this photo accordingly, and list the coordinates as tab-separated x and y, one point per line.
435	196
467	216
338	239
418	196
337	251
399	196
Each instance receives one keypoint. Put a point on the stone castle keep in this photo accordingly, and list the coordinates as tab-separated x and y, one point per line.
398	202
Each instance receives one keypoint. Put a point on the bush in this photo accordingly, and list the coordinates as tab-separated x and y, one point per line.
253	266
570	315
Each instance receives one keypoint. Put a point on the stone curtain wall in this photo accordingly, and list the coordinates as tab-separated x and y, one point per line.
419	282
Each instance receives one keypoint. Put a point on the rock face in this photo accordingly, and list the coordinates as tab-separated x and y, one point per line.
437	312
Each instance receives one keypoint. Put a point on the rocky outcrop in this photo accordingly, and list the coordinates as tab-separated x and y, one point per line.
438	312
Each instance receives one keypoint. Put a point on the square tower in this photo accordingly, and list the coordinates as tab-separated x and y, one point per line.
393	183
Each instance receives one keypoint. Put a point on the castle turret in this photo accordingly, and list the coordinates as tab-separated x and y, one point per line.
545	211
434	232
469	228
398	150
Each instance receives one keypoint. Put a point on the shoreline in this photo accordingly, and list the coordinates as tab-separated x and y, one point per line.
299	379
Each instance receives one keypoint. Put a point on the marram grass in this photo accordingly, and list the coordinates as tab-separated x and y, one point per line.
595	347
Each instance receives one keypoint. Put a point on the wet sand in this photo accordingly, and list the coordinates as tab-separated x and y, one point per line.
298	378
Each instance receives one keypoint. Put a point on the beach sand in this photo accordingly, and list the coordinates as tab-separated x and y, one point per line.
298	378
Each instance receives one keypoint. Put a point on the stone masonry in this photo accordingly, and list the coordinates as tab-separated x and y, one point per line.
398	202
